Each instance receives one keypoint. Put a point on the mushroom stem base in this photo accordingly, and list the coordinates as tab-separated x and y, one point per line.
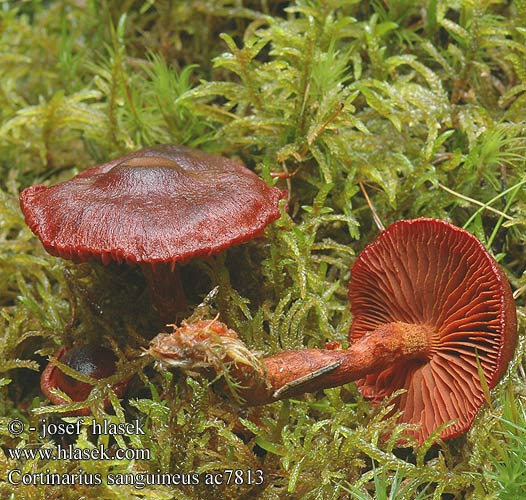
295	372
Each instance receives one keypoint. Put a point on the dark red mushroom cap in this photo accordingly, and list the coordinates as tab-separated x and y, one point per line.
431	273
93	361
163	204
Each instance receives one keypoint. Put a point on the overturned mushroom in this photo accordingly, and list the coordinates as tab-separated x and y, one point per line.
441	284
156	207
430	309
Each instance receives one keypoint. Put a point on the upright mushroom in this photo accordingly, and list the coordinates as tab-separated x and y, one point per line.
431	308
156	207
92	361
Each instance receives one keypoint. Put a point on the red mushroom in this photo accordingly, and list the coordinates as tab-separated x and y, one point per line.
155	207
439	281
95	362
430	306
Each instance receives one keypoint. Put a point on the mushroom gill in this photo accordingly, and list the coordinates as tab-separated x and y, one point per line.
428	272
430	305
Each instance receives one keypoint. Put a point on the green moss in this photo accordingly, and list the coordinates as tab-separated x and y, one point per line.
420	103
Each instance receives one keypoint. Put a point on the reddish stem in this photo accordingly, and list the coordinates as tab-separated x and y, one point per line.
295	372
166	290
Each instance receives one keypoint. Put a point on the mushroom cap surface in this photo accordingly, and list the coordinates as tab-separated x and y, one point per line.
429	272
94	361
163	204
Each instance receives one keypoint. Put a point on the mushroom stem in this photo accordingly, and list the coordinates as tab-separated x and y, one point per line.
166	290
295	372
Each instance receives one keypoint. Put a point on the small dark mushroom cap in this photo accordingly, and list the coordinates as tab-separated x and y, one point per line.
163	204
97	362
431	273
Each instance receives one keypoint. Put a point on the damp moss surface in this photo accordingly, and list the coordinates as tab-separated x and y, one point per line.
416	105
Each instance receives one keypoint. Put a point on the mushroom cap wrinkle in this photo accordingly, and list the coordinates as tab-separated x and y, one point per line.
428	272
163	204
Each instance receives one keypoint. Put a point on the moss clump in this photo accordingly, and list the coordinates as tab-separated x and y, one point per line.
418	104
